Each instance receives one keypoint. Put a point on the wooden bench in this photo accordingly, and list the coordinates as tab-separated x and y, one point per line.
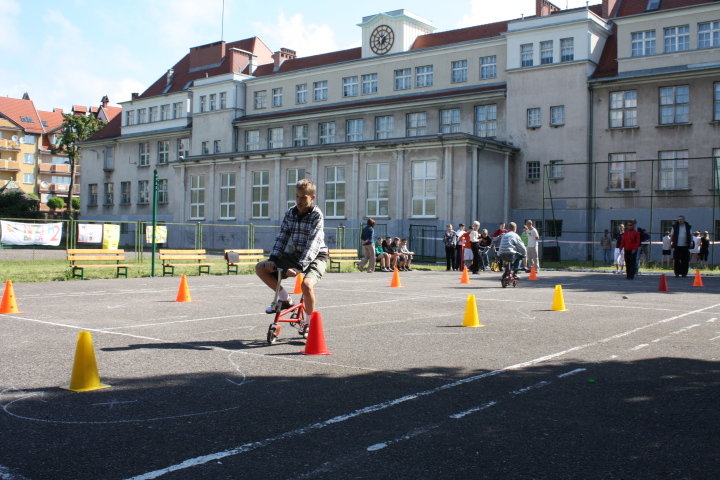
247	256
173	258
339	256
113	257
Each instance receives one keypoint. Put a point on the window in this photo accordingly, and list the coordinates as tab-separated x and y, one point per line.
673	170
486	120
416	124
320	91
162	193
526	55
557	116
29	158
58	180
203	102
450	120
326	133
301	93
261	194
623	109
92	195
533	118
378	189
532	171
163	151
217	146
165	112
108	159
213	102
354	130
677	39
459	71
142	115
567	49
124	193
546	52
424	188
369	83
277	97
130	117
183	148
674	105
488	67
556	170
403	79
716	168
350	87
643	43
709	34
552	228
153	114
29	178
335	192
205	147
300	135
227	195
223	100
143	192
197	196
622	171
716	101
384	127
275	137
252	140
108	195
652	5
259	99
178	110
424	76
293	176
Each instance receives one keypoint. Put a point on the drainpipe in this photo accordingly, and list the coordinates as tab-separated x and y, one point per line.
506	188
590	215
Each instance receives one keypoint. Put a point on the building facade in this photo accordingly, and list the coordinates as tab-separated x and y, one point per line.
498	122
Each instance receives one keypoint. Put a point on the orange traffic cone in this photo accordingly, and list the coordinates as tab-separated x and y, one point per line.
698	279
395	282
465	277
663	284
183	292
315	344
533	273
298	283
85	376
8	304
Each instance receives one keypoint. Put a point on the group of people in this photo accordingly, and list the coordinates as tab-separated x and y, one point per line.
474	246
390	253
680	244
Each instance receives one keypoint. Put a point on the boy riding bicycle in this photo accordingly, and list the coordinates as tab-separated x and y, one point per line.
512	249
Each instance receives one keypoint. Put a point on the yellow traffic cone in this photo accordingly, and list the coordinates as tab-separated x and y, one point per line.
8	303
85	376
472	318
558	304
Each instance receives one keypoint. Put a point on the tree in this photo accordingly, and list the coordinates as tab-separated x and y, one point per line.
18	205
56	203
75	129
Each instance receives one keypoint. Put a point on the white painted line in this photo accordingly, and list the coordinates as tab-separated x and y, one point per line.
407	436
473	410
571	372
712	320
715	338
530	387
639	347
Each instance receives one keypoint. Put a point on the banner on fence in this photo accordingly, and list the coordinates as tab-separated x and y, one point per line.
90	233
160	234
16	233
111	236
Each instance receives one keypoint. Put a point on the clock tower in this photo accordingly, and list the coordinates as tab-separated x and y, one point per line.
392	32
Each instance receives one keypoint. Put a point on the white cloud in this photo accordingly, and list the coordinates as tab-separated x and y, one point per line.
182	24
11	39
294	33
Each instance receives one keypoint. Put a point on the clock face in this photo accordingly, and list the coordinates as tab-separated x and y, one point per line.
381	39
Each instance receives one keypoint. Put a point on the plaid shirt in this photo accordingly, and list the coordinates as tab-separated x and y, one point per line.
302	237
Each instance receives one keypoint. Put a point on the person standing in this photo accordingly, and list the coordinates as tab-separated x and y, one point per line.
681	241
630	244
606	245
367	238
695	250
666	252
533	237
450	241
704	249
459	246
484	245
619	256
475	246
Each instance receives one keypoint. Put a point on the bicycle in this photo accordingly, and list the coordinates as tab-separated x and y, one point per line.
509	276
294	315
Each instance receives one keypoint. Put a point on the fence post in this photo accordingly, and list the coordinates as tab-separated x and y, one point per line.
198	235
251	236
341	236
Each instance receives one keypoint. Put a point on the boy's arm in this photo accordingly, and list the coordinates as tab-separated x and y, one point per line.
315	241
281	240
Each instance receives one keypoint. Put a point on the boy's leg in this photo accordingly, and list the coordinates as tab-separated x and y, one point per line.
313	273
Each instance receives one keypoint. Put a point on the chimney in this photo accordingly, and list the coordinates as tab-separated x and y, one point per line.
280	57
169	77
252	64
608	6
134	95
105	100
544	8
206	56
58	110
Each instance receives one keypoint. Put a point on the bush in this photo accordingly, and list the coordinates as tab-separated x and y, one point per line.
75	204
18	205
55	203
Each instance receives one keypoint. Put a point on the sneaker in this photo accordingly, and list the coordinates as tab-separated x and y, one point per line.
279	306
359	267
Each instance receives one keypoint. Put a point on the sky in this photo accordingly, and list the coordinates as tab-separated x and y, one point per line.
74	52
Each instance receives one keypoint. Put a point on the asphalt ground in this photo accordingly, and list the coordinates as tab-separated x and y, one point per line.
625	384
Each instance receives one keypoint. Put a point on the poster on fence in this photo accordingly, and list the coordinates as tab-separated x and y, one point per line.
111	236
89	233
160	234
16	233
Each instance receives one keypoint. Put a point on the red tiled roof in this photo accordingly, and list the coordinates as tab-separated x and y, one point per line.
15	109
310	62
111	130
54	119
634	7
111	112
607	65
460	35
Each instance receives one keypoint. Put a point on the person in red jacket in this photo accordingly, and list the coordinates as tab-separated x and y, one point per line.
630	243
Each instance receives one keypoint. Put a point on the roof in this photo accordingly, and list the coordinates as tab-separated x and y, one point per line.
110	112
460	35
310	62
635	7
53	120
22	113
111	130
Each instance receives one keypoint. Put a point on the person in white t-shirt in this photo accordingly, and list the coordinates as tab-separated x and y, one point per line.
666	251
532	246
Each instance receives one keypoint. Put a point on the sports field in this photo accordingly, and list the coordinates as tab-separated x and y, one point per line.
624	384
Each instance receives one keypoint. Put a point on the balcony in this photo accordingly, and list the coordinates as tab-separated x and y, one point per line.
6	144
9	166
58	188
54	168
